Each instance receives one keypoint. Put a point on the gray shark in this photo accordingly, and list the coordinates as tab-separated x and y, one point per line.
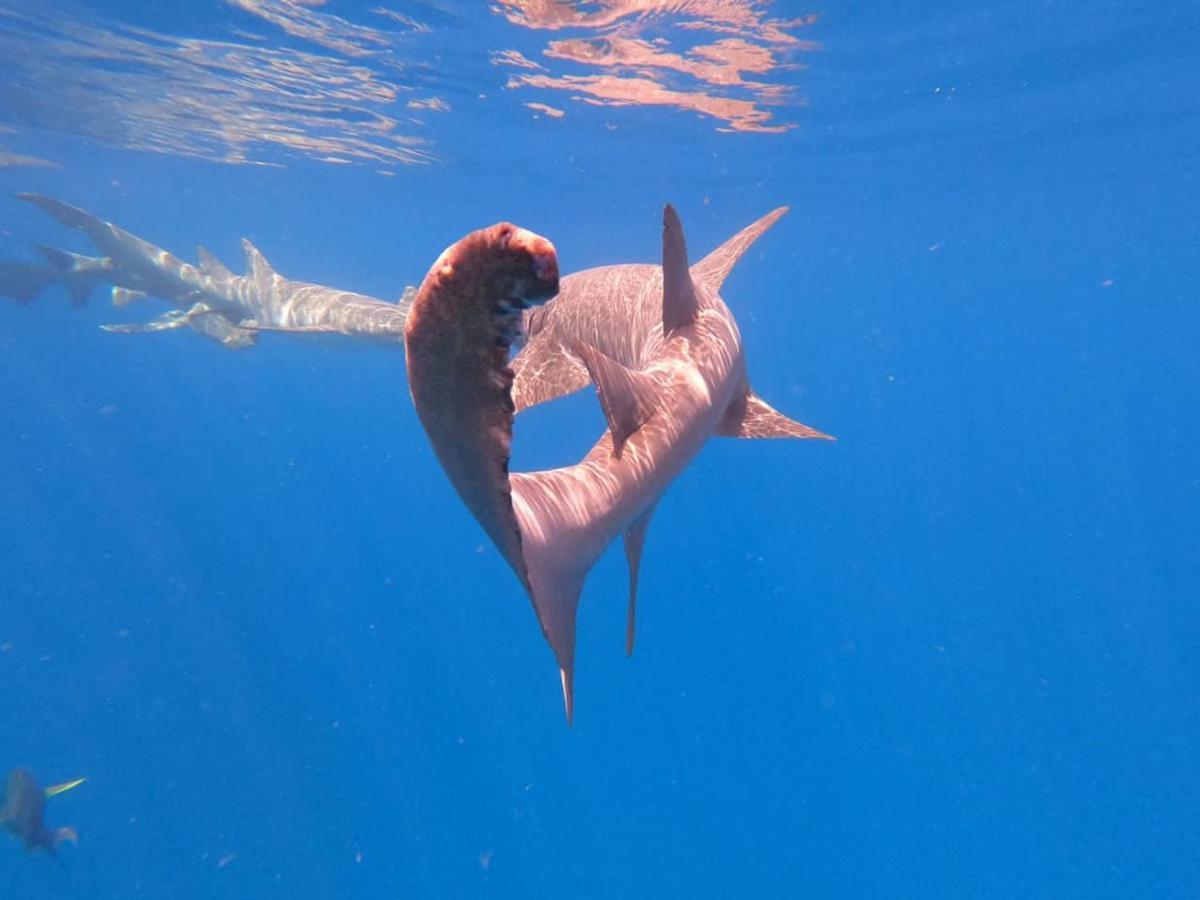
212	300
665	355
24	810
80	275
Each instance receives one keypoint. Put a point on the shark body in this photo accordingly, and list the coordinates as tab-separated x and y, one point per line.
23	814
209	297
665	355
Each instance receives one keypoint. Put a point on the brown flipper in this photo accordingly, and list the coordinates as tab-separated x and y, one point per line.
635	539
680	306
749	416
715	268
626	396
457	336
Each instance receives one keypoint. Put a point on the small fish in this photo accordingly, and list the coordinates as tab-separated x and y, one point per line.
24	809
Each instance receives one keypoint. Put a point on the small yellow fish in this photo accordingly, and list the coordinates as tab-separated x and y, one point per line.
64	787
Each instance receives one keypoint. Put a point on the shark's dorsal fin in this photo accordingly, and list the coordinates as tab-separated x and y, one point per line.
626	396
680	306
213	267
256	264
714	268
635	538
749	416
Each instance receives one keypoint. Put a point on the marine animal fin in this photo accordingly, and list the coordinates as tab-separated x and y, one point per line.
680	306
79	273
66	833
65	213
256	264
124	296
66	263
176	318
626	396
749	416
544	370
57	789
211	266
635	538
23	282
555	595
714	268
407	297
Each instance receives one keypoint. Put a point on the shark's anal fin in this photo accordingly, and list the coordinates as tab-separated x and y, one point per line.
749	416
211	266
635	539
680	306
626	396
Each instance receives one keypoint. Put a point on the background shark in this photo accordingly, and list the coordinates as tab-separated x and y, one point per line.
208	297
24	811
665	355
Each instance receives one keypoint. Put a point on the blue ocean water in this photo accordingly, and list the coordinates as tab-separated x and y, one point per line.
954	654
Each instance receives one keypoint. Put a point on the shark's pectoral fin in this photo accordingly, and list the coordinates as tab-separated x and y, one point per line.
544	370
211	266
176	318
627	397
635	538
749	416
680	306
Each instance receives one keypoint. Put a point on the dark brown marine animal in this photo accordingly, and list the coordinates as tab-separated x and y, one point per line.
23	813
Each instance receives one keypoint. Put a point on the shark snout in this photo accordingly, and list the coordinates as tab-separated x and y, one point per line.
540	251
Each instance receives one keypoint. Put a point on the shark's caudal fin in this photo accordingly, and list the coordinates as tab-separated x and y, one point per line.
23	282
79	273
749	416
714	268
65	213
680	306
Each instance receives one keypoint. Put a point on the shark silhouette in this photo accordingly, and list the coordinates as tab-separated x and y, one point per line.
209	298
24	811
665	355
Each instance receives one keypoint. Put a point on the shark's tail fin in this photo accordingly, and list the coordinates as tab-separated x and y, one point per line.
79	273
65	213
23	282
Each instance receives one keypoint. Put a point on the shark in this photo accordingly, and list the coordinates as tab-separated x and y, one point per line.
24	810
664	354
207	296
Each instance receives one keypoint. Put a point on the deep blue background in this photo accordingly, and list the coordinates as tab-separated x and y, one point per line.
954	654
